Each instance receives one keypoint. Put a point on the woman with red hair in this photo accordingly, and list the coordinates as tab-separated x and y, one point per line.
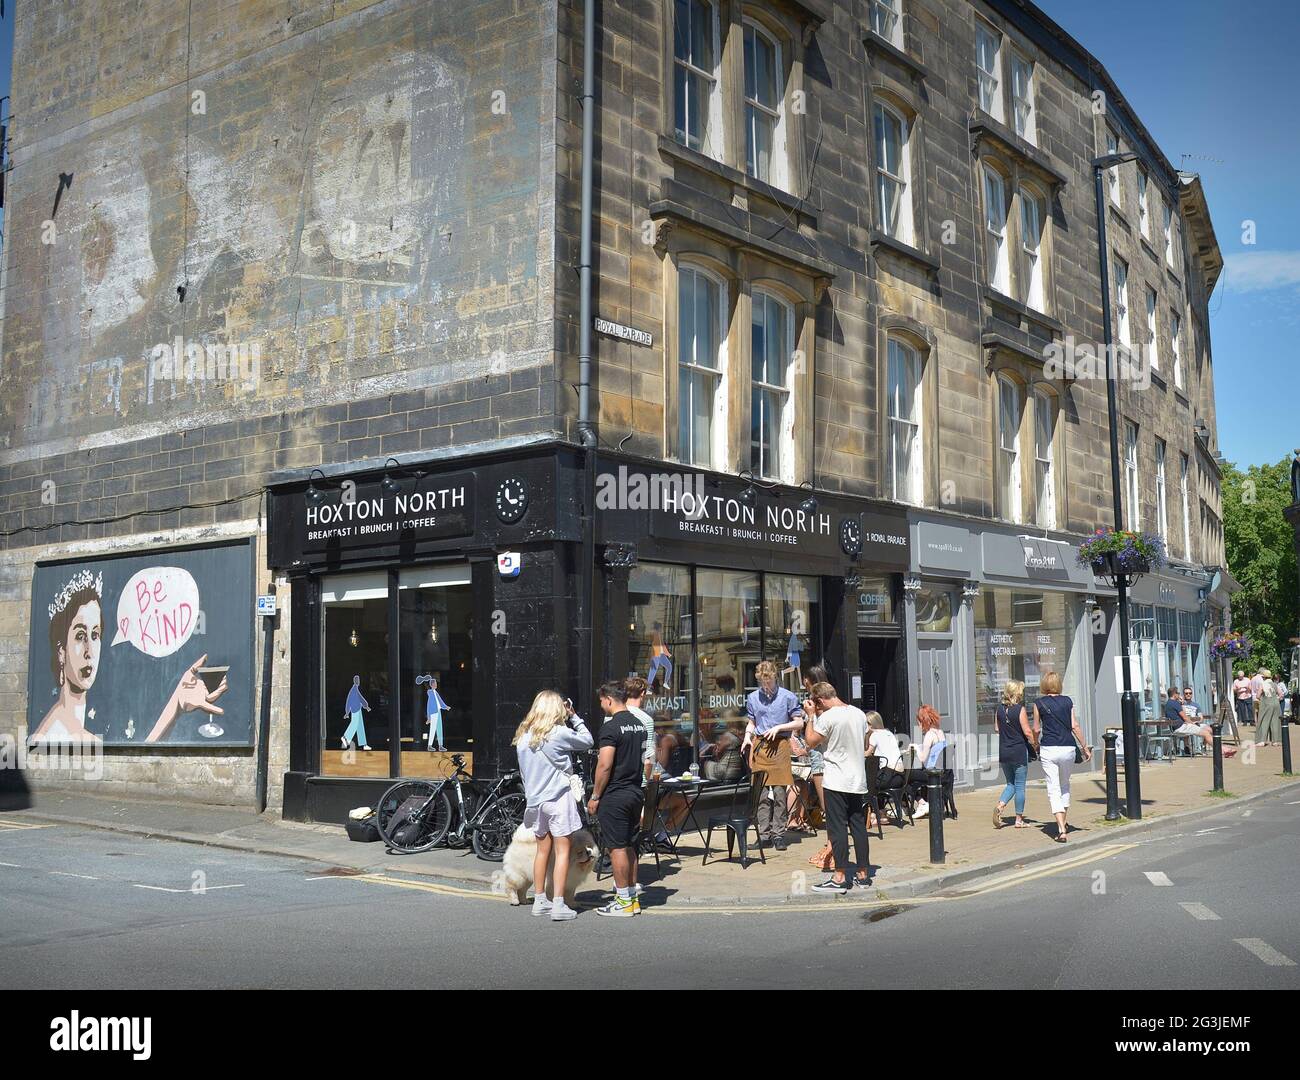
933	744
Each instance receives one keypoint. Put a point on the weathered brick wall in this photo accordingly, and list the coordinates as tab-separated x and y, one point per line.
362	191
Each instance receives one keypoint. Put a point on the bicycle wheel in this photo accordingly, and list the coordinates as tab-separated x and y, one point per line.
497	826
413	816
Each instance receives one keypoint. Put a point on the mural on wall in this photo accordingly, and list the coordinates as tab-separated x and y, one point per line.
144	649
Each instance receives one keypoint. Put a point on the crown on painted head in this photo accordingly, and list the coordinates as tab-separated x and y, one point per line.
83	580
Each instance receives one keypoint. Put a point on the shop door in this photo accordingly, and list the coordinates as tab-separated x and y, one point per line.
936	680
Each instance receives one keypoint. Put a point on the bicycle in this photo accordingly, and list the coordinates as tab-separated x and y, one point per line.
416	815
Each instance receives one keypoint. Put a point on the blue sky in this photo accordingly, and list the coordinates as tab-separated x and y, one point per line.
1220	81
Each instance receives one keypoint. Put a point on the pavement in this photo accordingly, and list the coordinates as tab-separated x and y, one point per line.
1177	791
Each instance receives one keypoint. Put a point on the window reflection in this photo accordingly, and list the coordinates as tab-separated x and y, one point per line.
355	709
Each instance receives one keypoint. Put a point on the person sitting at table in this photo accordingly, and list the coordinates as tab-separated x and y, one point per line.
883	743
722	759
1181	720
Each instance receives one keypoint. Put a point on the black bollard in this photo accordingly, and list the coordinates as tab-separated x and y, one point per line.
934	796
1286	746
1218	756
1112	777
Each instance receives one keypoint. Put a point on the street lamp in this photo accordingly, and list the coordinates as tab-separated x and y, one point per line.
1129	701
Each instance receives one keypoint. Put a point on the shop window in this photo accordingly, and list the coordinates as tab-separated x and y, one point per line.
1008	647
661	648
771	446
696	97
876	603
435	616
1167	623
933	611
791	626
355	721
729	645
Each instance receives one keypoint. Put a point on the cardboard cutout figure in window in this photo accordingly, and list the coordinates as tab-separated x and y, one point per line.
76	636
352	710
661	658
433	710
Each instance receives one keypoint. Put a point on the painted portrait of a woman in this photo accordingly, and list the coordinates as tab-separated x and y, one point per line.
76	637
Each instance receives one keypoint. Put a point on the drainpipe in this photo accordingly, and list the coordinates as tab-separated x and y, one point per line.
585	696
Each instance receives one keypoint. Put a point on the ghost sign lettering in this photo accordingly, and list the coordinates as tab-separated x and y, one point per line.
157	610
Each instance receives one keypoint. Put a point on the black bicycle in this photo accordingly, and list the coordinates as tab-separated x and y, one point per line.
416	815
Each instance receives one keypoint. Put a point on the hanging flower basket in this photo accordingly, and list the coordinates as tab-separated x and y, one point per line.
1231	646
1114	552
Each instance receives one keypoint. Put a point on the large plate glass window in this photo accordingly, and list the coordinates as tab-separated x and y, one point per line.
792	626
436	620
355	723
728	629
660	647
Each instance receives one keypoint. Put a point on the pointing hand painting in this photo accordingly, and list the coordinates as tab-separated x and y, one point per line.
191	693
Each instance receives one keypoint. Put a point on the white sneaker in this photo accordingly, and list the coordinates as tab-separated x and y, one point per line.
542	906
561	912
922	808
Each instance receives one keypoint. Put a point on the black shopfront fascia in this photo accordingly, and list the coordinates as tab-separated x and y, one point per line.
649	511
466	510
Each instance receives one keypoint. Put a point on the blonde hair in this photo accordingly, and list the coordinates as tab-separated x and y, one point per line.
875	720
1051	682
547	713
765	669
1013	692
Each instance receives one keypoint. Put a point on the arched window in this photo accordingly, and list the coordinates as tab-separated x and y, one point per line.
697	103
905	479
1044	460
1008	449
701	401
893	195
1031	248
764	107
771	444
995	230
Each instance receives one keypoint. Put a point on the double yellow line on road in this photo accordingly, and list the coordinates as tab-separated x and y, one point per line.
1008	881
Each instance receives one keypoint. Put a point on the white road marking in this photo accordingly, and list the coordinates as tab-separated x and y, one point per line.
1265	952
1216	828
64	873
206	888
1157	877
1199	911
17	866
156	888
1247	813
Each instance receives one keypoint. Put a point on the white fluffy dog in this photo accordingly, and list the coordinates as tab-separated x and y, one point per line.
517	866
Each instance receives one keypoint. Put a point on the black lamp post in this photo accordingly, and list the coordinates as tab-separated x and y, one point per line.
1129	700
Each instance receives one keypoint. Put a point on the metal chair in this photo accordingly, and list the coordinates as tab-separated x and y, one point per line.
738	820
875	795
898	796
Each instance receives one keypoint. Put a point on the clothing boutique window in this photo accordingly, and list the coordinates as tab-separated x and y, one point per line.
764	93
1021	635
904	406
698	636
701	401
697	108
355	722
771	426
435	618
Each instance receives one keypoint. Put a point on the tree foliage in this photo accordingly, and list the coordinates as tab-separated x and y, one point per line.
1261	553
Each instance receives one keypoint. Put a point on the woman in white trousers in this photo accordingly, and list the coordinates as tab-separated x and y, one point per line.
1057	726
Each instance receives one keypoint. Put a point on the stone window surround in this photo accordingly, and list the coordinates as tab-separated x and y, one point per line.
1015	177
791	26
743	269
924	342
901	98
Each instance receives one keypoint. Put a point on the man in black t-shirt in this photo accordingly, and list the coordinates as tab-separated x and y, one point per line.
616	796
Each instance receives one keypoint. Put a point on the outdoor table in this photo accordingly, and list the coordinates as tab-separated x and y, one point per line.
1146	737
690	790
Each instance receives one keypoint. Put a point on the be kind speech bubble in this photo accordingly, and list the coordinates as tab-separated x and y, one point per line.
158	610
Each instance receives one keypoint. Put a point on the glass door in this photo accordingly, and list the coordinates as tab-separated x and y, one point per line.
355	725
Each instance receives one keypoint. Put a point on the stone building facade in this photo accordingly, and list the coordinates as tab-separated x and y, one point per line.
859	237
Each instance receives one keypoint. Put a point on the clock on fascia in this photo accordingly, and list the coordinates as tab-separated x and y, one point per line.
851	537
511	500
